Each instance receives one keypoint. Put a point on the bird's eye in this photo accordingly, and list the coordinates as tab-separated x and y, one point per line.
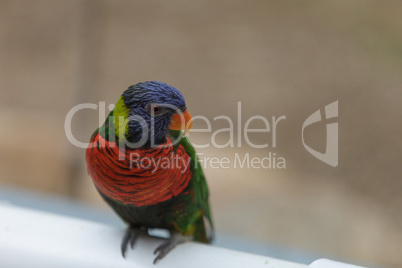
156	109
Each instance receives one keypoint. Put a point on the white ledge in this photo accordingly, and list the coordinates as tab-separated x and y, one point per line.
30	238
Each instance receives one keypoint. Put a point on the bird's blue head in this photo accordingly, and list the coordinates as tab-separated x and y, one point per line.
146	111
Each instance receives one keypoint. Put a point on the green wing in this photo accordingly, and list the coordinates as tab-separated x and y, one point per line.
201	192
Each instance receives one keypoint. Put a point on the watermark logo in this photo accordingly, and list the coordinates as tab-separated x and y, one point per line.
330	156
237	133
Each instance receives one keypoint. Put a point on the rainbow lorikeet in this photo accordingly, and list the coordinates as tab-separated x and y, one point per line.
147	170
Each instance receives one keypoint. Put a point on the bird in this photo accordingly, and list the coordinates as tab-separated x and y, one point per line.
144	166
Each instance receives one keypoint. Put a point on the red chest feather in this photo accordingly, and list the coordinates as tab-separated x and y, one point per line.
140	177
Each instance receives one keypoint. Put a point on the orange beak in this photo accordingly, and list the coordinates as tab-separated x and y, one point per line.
182	121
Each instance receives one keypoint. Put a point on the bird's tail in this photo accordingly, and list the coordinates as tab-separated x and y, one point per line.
201	233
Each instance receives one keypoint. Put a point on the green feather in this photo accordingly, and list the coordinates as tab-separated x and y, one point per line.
115	125
120	114
200	186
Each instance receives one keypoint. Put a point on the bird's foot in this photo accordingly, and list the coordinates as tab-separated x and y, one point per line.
131	236
166	247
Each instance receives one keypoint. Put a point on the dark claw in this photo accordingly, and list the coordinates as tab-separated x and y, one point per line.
133	239
126	238
161	246
163	249
130	237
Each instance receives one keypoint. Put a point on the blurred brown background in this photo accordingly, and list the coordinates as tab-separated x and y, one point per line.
276	57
